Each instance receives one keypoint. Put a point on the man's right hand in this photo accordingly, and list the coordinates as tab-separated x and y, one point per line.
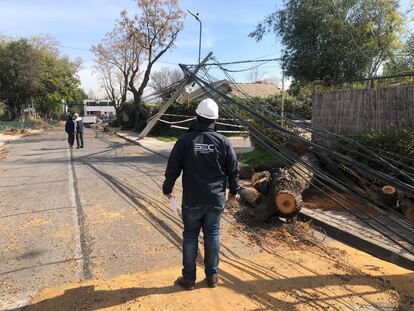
168	196
232	198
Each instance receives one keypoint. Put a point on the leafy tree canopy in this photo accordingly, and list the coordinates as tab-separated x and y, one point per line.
32	73
335	39
402	62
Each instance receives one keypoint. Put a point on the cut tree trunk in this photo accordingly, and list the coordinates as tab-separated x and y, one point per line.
264	210
261	181
388	196
245	171
288	185
286	191
407	205
251	196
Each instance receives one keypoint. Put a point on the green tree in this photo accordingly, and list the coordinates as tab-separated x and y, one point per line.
19	69
334	39
402	62
32	73
57	84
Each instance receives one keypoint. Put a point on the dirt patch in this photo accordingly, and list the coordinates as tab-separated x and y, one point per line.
137	153
3	154
26	133
104	215
11	131
314	199
289	274
272	232
256	283
33	222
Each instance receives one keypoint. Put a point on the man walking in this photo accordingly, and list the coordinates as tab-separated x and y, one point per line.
70	130
79	131
207	161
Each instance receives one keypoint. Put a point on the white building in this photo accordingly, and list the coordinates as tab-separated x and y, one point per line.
98	107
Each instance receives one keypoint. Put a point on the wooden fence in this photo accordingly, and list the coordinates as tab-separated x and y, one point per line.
359	111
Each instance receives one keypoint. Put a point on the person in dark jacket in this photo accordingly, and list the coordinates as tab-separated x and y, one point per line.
207	162
79	131
70	130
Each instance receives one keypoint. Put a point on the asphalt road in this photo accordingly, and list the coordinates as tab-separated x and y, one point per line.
70	215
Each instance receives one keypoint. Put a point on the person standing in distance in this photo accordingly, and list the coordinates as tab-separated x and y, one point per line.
79	130
207	161
70	130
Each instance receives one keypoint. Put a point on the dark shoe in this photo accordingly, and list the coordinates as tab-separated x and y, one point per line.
186	284
81	146
212	280
77	147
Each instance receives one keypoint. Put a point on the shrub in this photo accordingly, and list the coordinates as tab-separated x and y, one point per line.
393	142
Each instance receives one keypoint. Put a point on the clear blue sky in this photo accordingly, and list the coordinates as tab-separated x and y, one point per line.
82	23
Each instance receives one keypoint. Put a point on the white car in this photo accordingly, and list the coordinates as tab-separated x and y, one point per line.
89	120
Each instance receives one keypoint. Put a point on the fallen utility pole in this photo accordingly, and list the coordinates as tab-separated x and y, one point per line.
187	80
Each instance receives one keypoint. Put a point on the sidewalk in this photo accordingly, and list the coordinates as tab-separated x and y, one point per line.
5	139
240	144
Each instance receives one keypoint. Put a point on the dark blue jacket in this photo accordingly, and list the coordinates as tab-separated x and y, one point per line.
79	125
207	161
69	125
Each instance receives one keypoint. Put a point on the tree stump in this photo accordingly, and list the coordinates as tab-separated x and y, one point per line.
388	197
261	181
251	196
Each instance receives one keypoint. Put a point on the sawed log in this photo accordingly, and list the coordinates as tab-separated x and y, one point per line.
251	196
261	181
288	185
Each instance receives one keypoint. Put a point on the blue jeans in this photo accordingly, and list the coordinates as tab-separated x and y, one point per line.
208	219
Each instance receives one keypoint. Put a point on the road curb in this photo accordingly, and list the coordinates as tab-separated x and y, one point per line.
351	238
6	142
136	142
19	136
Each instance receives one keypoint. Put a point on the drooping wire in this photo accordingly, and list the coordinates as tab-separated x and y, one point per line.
341	204
324	133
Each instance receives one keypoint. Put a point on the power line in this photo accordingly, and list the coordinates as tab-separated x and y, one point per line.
73	48
290	158
89	50
265	60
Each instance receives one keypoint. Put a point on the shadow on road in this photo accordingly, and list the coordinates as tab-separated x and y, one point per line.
260	290
129	194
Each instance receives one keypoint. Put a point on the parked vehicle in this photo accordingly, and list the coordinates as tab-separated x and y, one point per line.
88	120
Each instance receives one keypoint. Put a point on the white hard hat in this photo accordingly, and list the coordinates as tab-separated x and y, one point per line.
208	109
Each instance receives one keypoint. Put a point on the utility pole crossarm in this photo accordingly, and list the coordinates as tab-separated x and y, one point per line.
187	80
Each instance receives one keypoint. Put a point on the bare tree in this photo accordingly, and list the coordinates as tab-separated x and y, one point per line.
255	75
118	60
163	78
155	29
113	82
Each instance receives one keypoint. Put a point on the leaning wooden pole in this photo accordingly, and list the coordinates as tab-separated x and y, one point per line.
187	80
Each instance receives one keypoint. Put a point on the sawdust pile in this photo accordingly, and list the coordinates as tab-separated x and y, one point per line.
272	232
3	154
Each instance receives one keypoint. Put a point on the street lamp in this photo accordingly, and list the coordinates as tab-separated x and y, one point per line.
199	41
